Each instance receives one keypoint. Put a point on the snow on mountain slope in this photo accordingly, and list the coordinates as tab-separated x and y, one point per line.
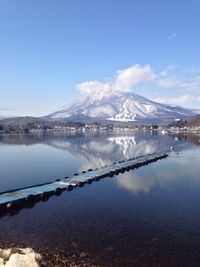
122	107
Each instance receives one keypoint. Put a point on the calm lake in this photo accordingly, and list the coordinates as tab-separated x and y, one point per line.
146	217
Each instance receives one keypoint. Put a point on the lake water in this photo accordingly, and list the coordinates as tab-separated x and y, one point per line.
145	217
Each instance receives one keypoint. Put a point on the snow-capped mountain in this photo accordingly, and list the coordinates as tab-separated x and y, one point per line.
122	107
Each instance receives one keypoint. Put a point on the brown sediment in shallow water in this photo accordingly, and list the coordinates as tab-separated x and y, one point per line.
55	258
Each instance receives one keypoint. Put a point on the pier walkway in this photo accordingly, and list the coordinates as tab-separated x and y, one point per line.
28	196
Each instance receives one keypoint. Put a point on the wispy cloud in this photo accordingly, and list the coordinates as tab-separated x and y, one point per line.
6	109
167	82
178	87
172	36
181	100
191	84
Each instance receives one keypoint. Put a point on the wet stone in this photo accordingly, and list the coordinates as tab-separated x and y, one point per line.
84	254
74	245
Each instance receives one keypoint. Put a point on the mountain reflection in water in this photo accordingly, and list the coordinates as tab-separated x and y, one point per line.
146	217
100	150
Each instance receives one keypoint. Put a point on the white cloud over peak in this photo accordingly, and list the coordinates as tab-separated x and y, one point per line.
170	85
128	78
123	81
93	86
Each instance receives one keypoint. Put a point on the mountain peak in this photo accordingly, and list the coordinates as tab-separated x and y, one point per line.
122	107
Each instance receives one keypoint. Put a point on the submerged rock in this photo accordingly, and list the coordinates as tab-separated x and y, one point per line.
19	257
84	254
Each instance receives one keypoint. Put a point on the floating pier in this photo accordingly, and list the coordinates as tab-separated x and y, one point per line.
13	200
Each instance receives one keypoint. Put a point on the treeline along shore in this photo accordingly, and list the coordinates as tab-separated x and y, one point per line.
26	125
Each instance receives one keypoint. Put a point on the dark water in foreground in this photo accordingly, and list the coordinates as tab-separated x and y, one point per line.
146	217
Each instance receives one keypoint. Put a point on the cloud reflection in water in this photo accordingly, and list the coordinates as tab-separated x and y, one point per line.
177	170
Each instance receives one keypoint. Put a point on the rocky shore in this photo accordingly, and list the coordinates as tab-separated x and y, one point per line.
13	255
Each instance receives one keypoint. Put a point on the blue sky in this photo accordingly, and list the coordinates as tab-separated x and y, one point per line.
50	49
